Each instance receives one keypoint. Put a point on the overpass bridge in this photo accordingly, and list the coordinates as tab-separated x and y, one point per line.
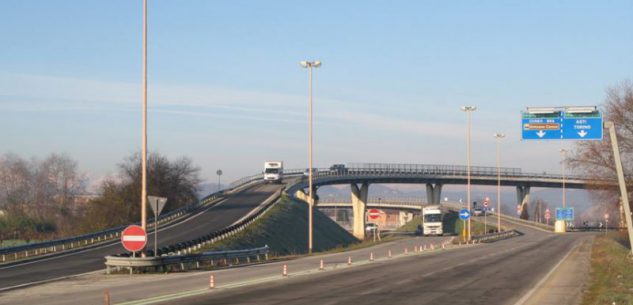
360	175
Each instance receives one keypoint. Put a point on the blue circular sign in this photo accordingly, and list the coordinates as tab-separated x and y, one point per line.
464	214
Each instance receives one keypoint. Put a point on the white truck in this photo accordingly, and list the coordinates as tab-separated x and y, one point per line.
273	171
432	220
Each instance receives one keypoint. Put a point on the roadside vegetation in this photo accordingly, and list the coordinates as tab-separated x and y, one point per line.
47	199
611	279
285	229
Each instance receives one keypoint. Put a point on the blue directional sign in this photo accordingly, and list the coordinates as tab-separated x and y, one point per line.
464	214
566	214
582	126
560	125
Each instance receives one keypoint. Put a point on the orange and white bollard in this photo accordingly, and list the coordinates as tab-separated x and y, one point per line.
106	297
284	272
321	265
371	256
389	254
406	251
211	281
349	260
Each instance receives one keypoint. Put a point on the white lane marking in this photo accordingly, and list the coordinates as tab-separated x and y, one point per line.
545	278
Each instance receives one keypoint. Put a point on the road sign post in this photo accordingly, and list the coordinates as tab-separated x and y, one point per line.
157	204
373	214
548	215
486	202
134	239
464	215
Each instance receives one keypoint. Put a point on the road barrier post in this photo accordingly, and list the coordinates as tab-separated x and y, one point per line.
106	297
321	265
211	281
371	256
284	272
349	260
389	254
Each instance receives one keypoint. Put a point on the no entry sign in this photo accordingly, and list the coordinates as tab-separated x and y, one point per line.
133	238
373	214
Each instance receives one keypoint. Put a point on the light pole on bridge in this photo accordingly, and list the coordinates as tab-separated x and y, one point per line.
310	65
499	136
468	110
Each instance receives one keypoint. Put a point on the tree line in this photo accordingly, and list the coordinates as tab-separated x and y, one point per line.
46	199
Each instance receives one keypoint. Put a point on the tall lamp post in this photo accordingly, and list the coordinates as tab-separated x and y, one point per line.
219	173
499	136
144	141
310	65
468	110
563	155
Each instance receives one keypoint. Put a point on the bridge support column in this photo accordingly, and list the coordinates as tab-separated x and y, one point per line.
433	193
523	197
359	204
301	195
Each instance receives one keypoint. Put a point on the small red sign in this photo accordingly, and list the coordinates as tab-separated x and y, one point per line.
548	214
486	201
373	214
606	216
133	238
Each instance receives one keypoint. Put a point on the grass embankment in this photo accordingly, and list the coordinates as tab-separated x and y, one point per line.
611	280
285	230
451	224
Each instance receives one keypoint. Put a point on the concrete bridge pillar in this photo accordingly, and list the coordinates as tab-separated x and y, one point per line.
433	193
359	204
523	197
302	195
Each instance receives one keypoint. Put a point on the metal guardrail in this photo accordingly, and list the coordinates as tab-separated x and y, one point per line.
491	237
163	262
28	251
188	247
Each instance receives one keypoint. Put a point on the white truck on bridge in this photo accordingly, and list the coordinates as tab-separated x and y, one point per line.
273	171
432	220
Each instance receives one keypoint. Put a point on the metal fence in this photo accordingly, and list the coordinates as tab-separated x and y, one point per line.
162	262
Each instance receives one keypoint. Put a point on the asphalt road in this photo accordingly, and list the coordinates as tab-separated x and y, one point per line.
497	273
211	219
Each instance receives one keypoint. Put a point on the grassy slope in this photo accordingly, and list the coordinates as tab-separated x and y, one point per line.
285	230
611	272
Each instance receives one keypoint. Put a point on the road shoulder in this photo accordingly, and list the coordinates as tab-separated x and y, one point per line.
565	285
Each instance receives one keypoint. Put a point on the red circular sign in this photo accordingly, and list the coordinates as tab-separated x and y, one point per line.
486	201
606	216
133	238
548	214
373	214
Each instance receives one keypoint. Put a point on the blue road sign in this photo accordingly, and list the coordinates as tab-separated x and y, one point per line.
566	214
562	126
464	214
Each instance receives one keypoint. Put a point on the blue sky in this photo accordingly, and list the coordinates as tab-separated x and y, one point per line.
226	88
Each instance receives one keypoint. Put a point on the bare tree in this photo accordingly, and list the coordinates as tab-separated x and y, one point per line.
595	159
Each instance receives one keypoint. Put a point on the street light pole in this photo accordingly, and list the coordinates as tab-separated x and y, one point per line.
563	153
468	110
219	173
310	65
144	144
499	136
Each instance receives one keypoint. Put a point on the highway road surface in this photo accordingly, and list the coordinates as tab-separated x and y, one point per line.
216	217
504	272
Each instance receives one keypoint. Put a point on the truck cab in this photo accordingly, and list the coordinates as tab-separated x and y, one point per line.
432	220
273	171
